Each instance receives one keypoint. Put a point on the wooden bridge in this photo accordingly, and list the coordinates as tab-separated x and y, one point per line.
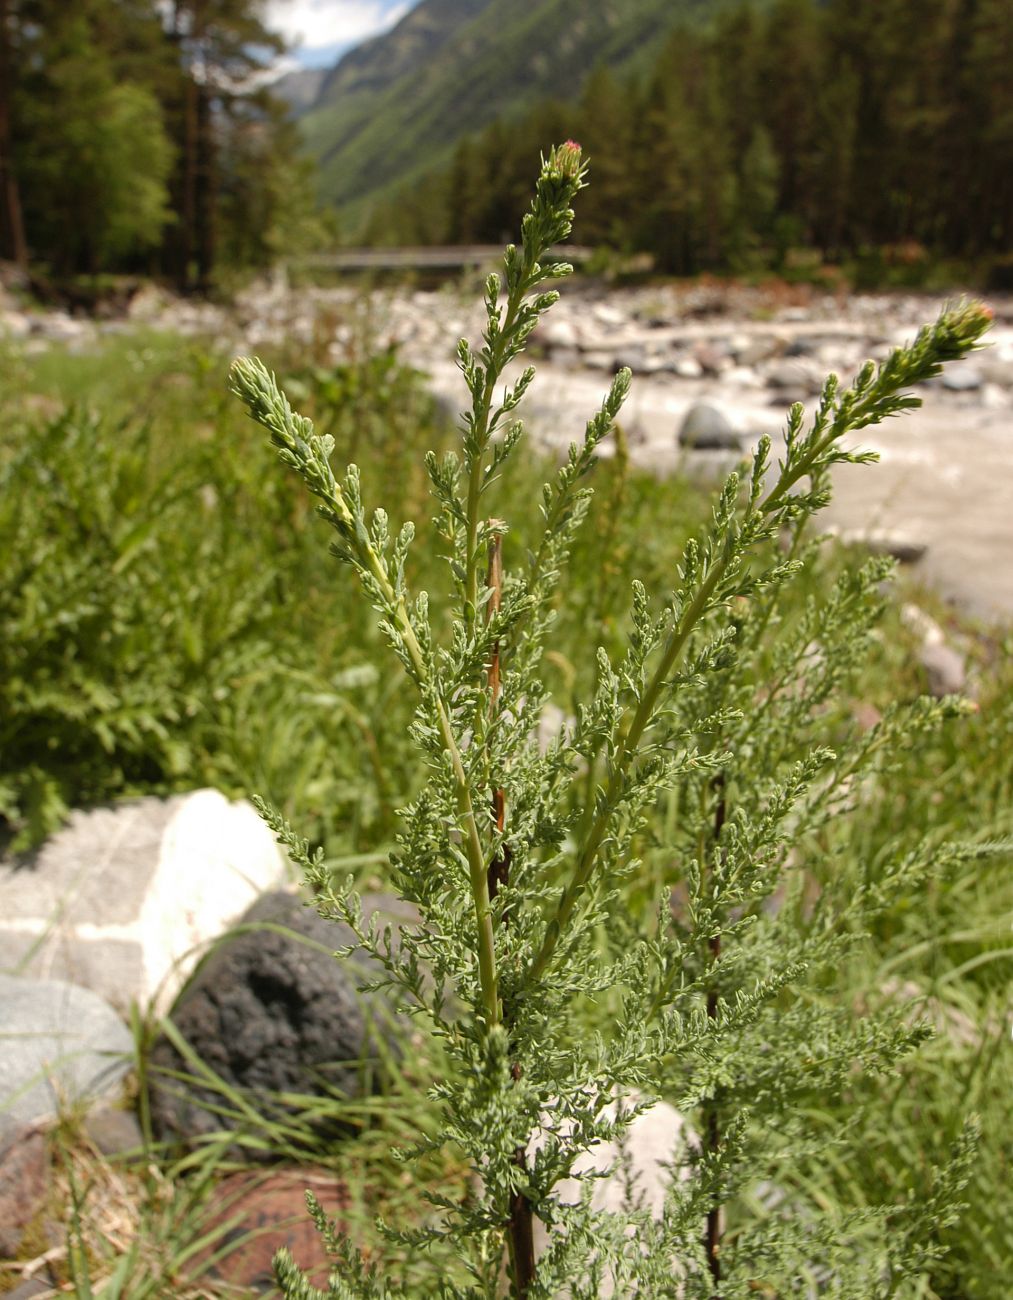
459	257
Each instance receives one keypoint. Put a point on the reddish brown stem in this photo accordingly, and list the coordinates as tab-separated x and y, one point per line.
521	1223
499	867
712	1121
522	1240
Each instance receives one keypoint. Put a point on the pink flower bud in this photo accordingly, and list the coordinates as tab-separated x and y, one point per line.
567	158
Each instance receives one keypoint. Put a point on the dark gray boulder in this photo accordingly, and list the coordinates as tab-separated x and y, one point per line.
270	1010
705	428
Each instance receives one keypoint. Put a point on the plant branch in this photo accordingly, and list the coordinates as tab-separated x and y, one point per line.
873	397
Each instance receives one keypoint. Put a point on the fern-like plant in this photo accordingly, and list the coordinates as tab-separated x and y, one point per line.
722	766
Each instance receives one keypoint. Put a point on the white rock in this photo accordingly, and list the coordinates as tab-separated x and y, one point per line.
640	1169
60	327
123	899
944	666
609	316
742	377
902	547
597	359
149	304
558	333
923	625
945	669
961	378
688	368
551	722
653	1140
15	324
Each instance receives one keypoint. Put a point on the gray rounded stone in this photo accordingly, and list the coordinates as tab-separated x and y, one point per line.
705	428
270	1011
961	378
797	375
945	669
60	1045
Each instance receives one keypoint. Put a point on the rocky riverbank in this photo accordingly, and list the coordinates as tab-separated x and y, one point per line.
736	357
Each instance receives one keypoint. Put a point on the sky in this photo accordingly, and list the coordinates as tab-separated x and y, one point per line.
321	30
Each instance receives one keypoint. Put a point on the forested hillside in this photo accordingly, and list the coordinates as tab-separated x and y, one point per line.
133	136
395	107
843	126
141	137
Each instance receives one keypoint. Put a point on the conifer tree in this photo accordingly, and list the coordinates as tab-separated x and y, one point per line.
94	156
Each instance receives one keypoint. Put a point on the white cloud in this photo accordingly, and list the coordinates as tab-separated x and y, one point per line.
322	24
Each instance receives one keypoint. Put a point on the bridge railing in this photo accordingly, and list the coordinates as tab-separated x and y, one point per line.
431	257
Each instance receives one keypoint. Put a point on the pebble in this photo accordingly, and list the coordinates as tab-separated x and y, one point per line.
817	332
899	546
635	359
945	669
741	377
961	378
688	368
712	358
755	351
114	1131
58	327
552	333
15	325
797	375
706	428
609	315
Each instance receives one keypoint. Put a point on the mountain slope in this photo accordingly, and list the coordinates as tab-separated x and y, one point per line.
394	108
300	89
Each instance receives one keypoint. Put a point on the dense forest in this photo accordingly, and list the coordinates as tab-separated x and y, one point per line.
137	135
841	126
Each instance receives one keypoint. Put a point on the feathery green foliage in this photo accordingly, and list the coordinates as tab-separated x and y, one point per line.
715	761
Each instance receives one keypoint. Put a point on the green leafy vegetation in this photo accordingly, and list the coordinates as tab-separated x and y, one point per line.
298	725
152	638
686	892
164	622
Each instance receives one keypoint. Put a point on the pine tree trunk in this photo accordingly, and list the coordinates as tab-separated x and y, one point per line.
12	231
204	195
